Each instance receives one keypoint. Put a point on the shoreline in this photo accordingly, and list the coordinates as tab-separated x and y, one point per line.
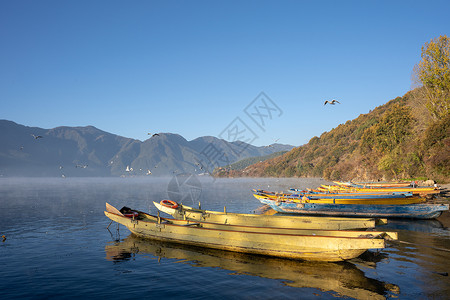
445	217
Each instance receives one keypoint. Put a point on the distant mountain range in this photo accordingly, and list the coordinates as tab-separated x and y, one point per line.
88	151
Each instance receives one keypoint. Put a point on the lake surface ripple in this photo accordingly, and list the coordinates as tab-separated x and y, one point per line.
57	246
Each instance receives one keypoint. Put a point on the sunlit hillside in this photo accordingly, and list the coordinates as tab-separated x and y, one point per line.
398	140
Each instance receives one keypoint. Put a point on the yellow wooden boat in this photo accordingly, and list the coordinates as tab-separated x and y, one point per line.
183	212
243	226
374	184
416	191
322	192
389	201
254	240
340	199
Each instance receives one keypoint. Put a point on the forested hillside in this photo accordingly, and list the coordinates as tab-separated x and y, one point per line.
408	137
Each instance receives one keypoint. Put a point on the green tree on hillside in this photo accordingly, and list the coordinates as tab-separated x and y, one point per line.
390	131
433	72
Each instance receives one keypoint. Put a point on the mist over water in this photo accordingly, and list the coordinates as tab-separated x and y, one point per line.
57	245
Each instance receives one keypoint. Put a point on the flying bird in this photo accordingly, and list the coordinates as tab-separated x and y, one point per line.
332	102
37	136
155	134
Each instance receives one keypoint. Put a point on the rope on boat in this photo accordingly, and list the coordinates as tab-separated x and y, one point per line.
117	233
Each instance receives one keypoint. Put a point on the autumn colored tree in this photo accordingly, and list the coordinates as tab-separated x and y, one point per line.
433	72
390	131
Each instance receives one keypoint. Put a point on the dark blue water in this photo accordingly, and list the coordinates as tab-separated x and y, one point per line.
57	246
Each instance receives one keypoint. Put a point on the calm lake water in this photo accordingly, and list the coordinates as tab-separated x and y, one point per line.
57	246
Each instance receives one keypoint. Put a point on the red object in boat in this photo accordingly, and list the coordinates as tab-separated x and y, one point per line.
169	203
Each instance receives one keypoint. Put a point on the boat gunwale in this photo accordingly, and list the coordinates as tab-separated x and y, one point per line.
436	211
384	205
251	232
343	201
290	217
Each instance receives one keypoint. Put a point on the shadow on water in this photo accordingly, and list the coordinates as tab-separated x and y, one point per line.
426	226
343	278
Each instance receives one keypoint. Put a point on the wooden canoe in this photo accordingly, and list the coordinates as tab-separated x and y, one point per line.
343	199
414	211
184	212
416	191
246	226
338	194
251	240
374	184
323	191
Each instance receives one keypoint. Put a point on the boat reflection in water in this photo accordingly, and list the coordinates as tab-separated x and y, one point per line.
343	278
426	226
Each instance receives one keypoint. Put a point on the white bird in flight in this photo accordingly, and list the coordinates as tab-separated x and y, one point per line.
332	102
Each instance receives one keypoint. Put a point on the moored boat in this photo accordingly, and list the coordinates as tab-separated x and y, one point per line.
270	228
375	184
324	192
184	212
415	211
336	198
414	190
246	240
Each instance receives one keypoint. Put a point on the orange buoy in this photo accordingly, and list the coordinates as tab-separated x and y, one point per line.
169	203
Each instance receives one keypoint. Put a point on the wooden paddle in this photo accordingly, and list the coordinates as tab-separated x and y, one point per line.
113	210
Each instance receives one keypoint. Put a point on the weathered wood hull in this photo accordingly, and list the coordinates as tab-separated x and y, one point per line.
374	184
303	222
415	191
341	199
305	247
283	230
373	201
327	193
415	211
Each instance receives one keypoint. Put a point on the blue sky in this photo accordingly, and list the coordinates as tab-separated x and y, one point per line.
192	67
